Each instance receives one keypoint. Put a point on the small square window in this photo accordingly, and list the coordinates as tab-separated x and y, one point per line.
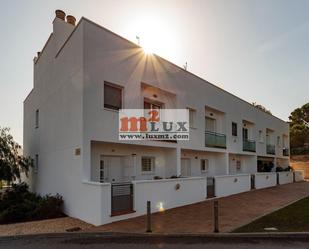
234	129
204	165
112	96
147	164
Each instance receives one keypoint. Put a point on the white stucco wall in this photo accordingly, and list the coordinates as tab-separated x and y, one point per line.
299	175
191	190
232	184
285	177
265	180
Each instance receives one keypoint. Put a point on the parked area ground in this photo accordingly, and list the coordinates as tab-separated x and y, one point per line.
293	218
301	162
234	211
58	225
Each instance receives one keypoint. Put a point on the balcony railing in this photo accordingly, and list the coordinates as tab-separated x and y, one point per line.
285	152
248	145
270	149
213	139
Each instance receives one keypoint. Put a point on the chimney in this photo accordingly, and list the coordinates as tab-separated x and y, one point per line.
60	14
71	20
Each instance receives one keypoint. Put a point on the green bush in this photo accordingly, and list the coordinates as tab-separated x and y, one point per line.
19	204
300	151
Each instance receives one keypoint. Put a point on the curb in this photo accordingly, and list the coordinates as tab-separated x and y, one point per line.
134	236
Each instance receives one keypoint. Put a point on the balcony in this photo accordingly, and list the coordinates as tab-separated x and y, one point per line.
285	152
248	145
213	139
270	149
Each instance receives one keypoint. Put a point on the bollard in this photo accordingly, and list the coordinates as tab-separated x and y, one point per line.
148	230
216	216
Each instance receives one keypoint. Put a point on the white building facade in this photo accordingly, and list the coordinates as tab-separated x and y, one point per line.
83	75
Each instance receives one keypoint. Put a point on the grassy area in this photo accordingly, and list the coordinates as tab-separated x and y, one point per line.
293	218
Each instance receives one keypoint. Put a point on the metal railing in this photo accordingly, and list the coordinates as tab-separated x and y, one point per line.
248	145
213	139
285	152
270	149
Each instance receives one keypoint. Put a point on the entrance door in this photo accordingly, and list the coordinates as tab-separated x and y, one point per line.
111	169
185	167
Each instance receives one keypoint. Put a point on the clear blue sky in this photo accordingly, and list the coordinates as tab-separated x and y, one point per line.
256	49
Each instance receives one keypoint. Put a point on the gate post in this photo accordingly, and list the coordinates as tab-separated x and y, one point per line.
148	217
216	216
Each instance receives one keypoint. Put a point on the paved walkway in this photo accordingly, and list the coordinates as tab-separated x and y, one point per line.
234	211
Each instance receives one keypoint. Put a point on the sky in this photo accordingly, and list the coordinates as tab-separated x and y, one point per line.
255	49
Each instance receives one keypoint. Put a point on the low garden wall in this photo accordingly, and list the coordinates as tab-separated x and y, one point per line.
285	177
265	180
232	184
168	193
299	175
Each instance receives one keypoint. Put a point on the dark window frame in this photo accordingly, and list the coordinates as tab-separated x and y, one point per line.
234	129
115	87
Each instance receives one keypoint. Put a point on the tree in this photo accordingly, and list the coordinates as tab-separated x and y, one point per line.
299	129
260	107
12	164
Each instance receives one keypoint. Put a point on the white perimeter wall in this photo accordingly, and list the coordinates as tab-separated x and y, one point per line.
232	184
299	175
265	180
164	191
285	177
96	205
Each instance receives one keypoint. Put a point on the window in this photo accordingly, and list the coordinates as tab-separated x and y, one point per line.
192	118
204	165
234	129
112	96
238	166
147	164
261	136
210	124
37	118
36	163
278	141
102	178
245	134
151	105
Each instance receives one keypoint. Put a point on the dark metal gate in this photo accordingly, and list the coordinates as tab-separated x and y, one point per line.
210	187
122	198
252	181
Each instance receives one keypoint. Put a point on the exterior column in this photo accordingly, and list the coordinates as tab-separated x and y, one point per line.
178	161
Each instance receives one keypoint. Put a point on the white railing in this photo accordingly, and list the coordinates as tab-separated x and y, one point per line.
232	184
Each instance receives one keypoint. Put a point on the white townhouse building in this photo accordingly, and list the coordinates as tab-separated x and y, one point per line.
84	75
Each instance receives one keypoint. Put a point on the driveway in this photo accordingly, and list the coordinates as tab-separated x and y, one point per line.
234	211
